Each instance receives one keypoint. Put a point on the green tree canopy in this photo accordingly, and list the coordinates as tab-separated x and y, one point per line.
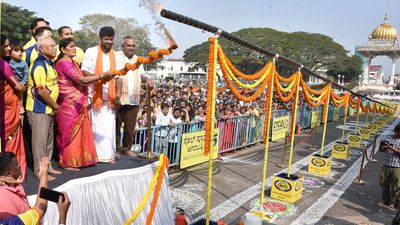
16	22
314	51
88	36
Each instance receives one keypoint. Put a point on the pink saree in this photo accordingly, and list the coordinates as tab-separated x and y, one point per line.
10	122
74	132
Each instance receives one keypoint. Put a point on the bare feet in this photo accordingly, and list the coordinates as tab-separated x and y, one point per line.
72	169
50	178
113	161
53	171
390	207
129	153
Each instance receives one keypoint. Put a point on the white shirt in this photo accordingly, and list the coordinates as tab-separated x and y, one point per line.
89	64
130	94
163	121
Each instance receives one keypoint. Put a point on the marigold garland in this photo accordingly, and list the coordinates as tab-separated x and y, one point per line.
268	103
315	101
296	100
153	55
157	191
279	92
226	69
210	101
146	197
255	76
365	108
236	92
338	101
286	89
285	79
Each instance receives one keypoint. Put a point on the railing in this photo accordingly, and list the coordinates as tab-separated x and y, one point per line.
235	133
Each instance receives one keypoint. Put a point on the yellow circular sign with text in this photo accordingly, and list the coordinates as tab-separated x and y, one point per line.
339	148
364	131
283	185
318	162
354	138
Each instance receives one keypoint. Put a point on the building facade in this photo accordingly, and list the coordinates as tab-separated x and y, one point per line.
177	69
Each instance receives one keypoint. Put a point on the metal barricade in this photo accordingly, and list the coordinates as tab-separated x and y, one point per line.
234	133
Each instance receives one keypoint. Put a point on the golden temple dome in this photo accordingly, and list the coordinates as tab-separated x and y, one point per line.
384	31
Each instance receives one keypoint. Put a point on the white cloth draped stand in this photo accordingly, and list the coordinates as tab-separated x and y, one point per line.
110	198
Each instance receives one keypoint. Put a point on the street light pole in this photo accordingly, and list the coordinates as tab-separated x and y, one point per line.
339	79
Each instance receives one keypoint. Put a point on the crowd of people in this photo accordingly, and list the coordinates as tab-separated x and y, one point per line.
71	98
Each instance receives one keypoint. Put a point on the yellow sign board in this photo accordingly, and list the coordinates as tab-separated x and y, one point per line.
365	134
340	151
378	123
336	114
315	118
280	126
193	146
288	189
373	128
355	141
319	165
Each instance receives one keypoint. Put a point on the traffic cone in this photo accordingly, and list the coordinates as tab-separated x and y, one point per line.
298	128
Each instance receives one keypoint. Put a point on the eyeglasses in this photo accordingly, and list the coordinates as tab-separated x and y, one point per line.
51	46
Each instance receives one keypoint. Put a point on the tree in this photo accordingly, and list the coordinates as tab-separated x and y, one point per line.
88	36
314	51
16	22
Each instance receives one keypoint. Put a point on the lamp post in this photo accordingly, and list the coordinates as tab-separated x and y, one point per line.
339	79
359	80
343	80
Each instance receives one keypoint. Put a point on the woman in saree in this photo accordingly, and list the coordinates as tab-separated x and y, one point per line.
74	139
10	121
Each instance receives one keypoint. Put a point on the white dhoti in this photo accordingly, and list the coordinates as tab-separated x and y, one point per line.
103	125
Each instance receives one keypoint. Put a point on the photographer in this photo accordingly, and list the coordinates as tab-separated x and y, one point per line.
390	171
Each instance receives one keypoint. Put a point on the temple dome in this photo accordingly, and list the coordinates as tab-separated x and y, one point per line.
384	31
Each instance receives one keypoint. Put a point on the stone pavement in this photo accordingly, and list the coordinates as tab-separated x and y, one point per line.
326	200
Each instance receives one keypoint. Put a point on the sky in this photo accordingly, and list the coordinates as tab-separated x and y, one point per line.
348	22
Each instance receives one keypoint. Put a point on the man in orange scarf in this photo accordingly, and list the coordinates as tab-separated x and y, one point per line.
100	60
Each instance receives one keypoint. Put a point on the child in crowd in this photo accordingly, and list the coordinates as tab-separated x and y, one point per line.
20	67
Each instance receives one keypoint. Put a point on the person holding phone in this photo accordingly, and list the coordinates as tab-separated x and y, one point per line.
390	171
17	210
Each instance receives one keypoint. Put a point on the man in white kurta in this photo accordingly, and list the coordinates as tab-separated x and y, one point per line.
103	119
129	96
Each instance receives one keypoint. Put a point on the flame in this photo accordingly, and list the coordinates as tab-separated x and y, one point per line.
155	8
159	7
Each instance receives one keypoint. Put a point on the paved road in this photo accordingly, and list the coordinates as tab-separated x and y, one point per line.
329	200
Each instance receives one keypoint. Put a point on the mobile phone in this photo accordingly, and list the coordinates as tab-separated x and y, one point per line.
50	195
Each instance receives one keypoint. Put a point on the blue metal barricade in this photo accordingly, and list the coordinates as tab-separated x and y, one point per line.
236	132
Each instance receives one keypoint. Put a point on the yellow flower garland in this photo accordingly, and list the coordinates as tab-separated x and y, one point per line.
146	197
277	84
222	63
237	72
286	89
